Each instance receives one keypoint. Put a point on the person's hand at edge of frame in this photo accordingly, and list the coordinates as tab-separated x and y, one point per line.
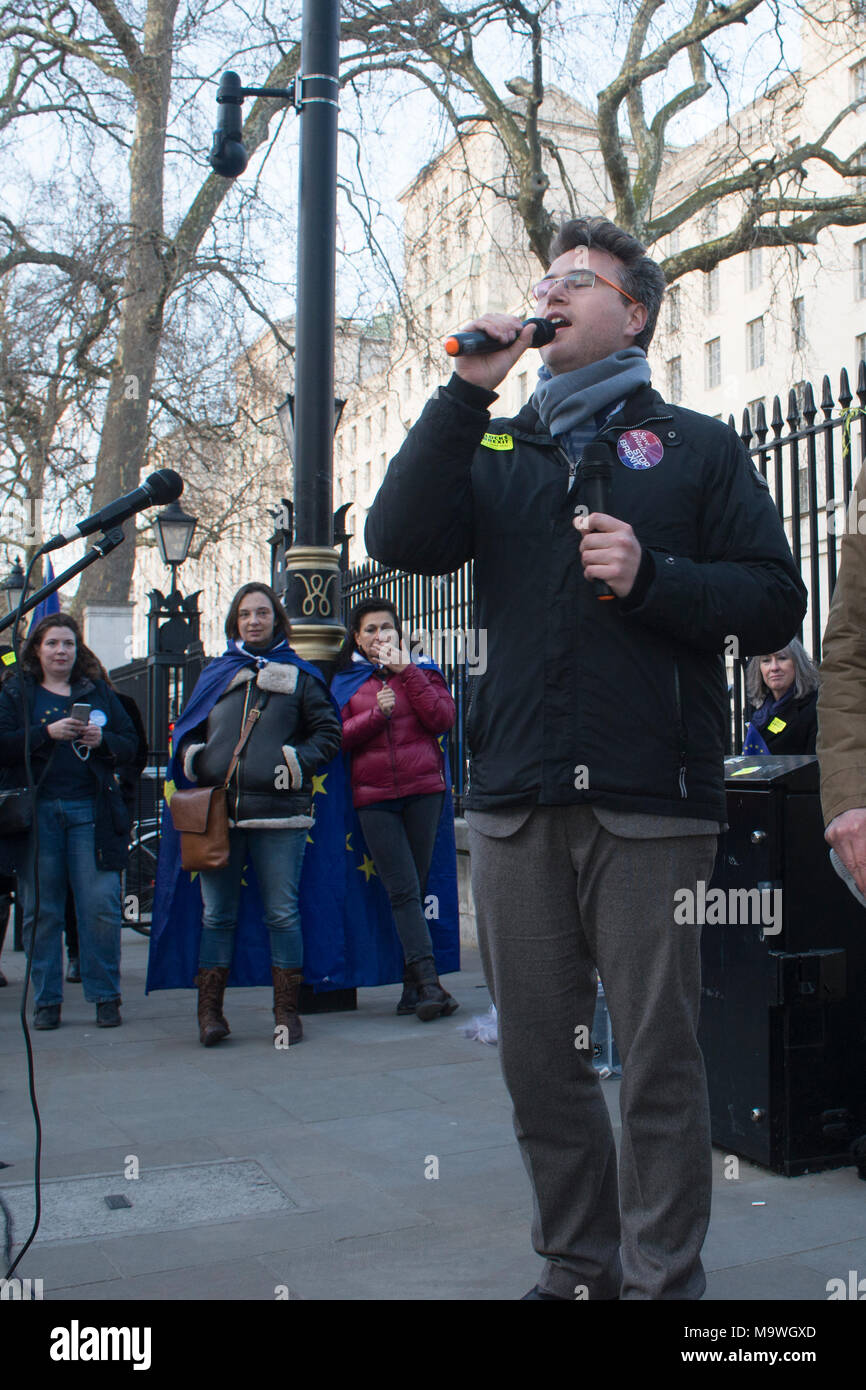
846	834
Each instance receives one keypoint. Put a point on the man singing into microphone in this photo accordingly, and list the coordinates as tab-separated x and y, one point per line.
596	736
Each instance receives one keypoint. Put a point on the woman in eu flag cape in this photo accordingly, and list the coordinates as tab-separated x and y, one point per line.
396	713
349	938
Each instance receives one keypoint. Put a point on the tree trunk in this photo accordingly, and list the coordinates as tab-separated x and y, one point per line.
124	439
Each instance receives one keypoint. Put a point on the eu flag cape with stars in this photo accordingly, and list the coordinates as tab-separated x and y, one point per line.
348	929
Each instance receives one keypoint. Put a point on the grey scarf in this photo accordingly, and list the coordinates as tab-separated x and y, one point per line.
564	402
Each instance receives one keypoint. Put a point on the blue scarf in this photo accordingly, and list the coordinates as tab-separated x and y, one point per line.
754	741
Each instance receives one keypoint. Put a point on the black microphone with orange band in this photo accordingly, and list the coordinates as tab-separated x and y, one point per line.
475	341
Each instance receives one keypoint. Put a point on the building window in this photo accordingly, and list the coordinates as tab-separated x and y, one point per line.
383	420
354	439
368	431
858	81
448	300
711	290
674	242
713	363
710	221
860	270
675	380
674	309
860	349
798	324
366	476
755	344
407	381
753	268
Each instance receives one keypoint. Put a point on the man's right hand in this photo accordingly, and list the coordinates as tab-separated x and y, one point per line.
489	368
847	835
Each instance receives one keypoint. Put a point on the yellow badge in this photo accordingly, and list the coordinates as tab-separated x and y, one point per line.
8	658
776	726
498	441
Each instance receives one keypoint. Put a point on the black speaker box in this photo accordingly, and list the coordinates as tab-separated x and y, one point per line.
783	1008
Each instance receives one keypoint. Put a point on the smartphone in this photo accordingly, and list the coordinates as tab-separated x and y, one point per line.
81	713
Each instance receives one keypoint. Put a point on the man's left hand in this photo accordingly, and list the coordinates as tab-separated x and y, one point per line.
610	550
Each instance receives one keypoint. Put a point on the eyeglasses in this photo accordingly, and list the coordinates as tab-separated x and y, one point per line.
576	280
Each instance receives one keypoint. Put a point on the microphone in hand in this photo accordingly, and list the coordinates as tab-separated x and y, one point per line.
476	342
596	472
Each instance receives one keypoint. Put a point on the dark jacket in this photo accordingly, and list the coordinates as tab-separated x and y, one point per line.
800	720
118	746
297	731
621	702
397	755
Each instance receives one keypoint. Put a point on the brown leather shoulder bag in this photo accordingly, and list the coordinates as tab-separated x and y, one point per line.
201	814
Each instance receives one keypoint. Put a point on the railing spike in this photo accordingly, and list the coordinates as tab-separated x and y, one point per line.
809	407
845	397
746	431
826	398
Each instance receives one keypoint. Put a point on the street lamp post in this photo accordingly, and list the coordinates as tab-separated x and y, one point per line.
173	640
13	586
312	565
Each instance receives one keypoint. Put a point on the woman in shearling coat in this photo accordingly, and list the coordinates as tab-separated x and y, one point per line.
269	795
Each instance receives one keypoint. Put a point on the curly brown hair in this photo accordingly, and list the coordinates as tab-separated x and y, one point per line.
87	664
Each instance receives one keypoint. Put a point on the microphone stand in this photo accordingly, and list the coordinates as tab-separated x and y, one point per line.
106	543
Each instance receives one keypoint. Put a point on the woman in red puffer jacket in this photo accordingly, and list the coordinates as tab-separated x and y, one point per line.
391	723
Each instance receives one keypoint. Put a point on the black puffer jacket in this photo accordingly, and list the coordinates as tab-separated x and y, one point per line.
624	702
298	730
118	747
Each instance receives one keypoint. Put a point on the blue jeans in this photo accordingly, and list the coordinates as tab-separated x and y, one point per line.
277	857
67	855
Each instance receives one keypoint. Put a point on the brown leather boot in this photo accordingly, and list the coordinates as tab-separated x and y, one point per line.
287	983
212	1026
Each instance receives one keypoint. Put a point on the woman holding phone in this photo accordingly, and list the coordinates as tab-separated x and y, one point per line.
79	734
394	710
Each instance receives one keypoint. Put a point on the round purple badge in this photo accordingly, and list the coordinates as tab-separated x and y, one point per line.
639	449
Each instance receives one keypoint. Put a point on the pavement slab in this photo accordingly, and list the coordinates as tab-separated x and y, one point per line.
385	1149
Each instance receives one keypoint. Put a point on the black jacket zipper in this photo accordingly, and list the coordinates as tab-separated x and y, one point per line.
681	730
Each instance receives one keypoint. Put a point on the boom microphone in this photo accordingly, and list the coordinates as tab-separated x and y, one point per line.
164	486
596	471
477	342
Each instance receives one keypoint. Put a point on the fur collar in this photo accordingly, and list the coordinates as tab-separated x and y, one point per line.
276	676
